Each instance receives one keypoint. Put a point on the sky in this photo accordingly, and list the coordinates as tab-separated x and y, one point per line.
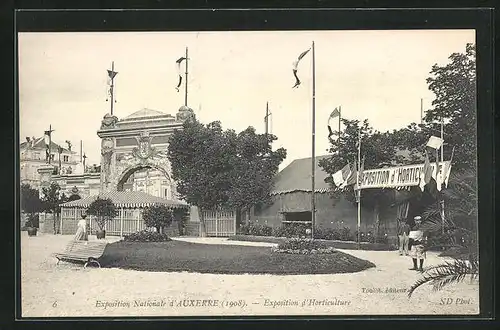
374	75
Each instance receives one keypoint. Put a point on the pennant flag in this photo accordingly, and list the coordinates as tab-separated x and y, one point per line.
330	132
426	175
447	174
47	138
447	170
111	75
340	176
434	142
361	170
178	64
352	176
295	65
335	113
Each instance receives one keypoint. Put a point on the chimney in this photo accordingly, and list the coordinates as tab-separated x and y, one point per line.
28	139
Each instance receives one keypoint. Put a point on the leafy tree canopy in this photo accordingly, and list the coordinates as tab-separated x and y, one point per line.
454	86
214	168
158	216
30	199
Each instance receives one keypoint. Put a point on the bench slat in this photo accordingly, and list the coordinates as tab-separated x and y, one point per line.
82	250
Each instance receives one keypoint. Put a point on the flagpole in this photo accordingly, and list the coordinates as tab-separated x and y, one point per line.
421	111
358	190
340	119
313	161
266	118
112	85
186	82
50	142
442	176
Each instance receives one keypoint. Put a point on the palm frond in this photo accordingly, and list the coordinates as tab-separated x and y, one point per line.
450	272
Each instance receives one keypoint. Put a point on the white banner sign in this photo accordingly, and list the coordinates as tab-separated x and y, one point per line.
400	176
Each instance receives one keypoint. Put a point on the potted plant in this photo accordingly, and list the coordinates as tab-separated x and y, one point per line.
31	226
104	210
30	205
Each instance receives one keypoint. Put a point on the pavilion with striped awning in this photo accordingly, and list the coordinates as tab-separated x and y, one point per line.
126	199
129	219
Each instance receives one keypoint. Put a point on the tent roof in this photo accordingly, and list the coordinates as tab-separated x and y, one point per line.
127	199
297	177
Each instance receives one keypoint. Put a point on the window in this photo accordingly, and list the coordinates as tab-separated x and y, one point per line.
65	158
166	193
52	156
36	155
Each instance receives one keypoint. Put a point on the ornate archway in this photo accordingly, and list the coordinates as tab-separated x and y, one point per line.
136	142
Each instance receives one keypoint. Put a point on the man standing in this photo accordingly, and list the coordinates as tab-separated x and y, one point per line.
403	232
417	250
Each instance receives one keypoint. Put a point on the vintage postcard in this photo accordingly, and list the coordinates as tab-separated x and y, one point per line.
248	173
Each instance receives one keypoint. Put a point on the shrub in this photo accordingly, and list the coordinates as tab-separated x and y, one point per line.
303	246
369	237
158	216
256	229
146	236
292	230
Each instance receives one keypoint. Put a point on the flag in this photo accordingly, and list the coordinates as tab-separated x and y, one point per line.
352	176
447	170
47	138
340	176
47	144
111	75
447	173
426	175
178	64
335	113
295	65
361	170
434	142
330	131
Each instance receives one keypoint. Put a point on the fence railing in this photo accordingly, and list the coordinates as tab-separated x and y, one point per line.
220	223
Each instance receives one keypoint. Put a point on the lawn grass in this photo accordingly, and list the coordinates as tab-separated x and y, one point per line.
347	245
176	256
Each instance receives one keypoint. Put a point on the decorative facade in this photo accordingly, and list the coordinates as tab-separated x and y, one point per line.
134	152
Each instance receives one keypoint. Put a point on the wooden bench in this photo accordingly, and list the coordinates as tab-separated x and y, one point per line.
86	251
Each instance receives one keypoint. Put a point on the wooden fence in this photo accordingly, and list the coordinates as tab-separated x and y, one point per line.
128	221
220	223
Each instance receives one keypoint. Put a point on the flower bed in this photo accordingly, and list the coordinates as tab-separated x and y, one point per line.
335	244
301	230
304	246
146	236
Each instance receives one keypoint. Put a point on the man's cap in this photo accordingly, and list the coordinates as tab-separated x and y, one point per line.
417	217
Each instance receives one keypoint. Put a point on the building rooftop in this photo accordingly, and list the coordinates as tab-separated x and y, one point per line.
146	113
297	177
127	199
39	143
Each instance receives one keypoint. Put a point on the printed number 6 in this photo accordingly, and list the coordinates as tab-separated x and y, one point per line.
54	304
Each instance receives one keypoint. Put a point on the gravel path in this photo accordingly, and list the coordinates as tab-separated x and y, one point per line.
48	290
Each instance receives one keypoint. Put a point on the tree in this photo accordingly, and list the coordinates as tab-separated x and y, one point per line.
219	169
104	210
30	202
454	86
51	200
255	165
199	156
158	216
